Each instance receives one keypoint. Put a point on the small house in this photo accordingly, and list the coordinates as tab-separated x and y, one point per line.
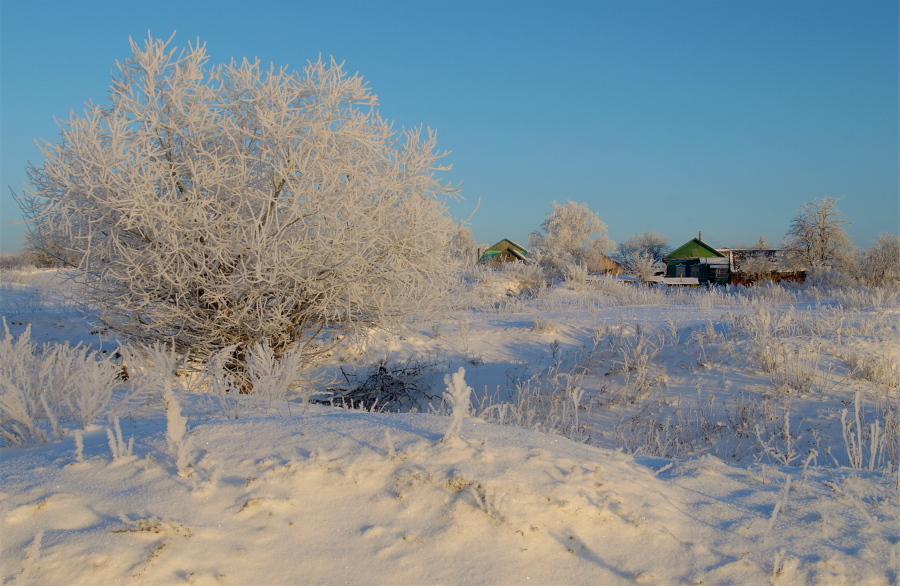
697	260
504	251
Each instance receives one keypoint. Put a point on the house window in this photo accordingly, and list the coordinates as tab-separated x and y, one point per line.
679	271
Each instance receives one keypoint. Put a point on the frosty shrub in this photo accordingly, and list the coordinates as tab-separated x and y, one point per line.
880	265
51	384
576	277
217	206
528	277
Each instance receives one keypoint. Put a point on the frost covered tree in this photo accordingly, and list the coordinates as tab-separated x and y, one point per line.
222	206
880	264
463	245
569	235
817	238
642	254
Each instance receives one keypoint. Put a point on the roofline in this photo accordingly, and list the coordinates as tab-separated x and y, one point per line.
698	241
516	244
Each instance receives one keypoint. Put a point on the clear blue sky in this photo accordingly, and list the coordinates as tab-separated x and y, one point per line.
670	116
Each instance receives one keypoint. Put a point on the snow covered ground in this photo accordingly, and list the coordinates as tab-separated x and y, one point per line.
618	435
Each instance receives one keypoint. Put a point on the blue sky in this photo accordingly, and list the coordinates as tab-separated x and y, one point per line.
671	116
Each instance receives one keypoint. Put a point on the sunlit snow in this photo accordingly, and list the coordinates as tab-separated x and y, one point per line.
312	494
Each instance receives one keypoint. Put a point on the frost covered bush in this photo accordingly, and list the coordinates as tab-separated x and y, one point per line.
880	265
491	283
576	277
52	384
566	238
528	277
215	207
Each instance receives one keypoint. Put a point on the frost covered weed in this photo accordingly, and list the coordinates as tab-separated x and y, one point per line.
797	371
176	432
876	368
42	388
529	277
542	325
221	384
641	295
767	293
656	430
769	354
871	441
576	277
709	298
550	402
867	298
763	323
634	354
271	377
119	448
490	284
148	369
458	397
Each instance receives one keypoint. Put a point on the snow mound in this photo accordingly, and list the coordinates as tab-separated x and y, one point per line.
335	496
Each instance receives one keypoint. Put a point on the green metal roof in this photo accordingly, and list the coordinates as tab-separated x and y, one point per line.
502	246
507	244
696	248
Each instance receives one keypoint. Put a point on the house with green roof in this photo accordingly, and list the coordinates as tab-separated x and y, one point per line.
504	251
696	259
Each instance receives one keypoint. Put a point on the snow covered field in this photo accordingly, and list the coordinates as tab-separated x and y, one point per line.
619	434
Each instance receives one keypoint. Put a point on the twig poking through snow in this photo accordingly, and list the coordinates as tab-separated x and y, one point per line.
457	394
390	443
117	444
781	505
176	432
79	446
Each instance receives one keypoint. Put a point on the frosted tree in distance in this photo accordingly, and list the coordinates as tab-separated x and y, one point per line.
566	236
219	206
817	237
642	254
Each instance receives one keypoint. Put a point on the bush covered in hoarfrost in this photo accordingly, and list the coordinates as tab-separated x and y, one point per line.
229	206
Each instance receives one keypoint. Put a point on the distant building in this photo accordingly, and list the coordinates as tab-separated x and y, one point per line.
504	251
742	266
698	260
